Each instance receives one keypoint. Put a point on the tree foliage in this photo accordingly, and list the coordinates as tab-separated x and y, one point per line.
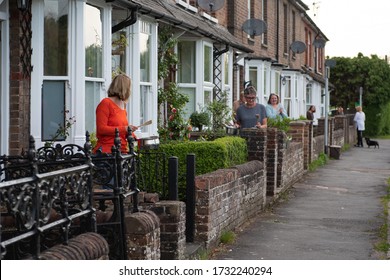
373	75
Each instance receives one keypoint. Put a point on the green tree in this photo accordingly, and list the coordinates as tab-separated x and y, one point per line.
373	75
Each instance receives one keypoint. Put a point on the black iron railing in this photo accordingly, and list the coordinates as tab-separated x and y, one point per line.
28	190
40	210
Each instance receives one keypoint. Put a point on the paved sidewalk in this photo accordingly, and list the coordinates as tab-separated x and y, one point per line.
333	213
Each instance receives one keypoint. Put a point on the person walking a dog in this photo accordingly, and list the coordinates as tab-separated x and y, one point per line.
359	119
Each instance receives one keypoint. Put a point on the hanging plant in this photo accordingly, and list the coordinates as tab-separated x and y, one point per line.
119	45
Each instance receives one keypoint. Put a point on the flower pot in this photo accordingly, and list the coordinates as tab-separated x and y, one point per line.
231	130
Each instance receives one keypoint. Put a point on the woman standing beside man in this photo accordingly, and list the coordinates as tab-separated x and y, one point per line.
274	108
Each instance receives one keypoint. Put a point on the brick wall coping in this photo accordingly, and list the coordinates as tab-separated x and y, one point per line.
249	167
142	222
86	246
224	176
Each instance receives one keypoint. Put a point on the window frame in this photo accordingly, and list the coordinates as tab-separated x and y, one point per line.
199	85
133	67
75	78
4	77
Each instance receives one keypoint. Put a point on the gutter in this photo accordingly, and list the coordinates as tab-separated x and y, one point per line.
127	22
143	9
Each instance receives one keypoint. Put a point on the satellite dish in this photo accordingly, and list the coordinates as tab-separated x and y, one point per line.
330	63
211	5
254	27
319	43
298	47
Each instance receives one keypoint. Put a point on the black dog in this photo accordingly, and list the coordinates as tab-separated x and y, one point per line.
371	142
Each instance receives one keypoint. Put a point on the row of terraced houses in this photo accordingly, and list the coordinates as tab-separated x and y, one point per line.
59	55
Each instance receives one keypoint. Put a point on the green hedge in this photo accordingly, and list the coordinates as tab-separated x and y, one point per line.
377	120
209	156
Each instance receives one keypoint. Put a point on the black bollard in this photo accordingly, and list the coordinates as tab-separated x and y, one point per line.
190	201
173	178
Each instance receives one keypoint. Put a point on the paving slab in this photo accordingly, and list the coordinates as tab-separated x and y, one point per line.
333	213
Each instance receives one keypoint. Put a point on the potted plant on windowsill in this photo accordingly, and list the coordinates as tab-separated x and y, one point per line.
199	119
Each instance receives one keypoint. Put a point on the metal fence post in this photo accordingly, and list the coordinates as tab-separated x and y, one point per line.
173	178
190	201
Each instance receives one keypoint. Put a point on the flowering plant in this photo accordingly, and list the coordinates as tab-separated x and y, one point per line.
178	128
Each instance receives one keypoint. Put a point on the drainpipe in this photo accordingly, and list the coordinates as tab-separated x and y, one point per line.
277	31
127	22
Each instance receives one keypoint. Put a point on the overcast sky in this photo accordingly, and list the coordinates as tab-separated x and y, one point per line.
353	26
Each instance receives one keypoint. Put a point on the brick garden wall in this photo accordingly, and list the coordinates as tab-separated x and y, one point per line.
290	167
227	198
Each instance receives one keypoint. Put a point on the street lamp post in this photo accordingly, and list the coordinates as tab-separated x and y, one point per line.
327	70
329	64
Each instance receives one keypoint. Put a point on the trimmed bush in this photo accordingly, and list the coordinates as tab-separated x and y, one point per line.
210	156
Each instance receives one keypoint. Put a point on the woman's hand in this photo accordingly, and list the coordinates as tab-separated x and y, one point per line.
259	125
133	127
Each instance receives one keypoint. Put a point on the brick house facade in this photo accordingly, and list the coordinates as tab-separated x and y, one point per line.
267	58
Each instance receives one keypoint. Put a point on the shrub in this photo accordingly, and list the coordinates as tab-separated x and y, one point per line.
279	123
199	119
210	156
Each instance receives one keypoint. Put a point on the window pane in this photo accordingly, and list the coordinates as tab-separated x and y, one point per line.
53	108
308	93
287	106
92	94
93	41
207	97
253	76
146	104
55	42
277	82
226	66
287	93
118	53
208	64
145	52
190	105
186	56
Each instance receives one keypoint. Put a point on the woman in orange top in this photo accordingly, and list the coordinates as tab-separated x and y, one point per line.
111	113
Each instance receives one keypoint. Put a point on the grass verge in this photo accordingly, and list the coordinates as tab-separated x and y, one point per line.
383	245
321	161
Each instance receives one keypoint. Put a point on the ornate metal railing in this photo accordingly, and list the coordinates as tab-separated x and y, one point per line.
111	186
39	210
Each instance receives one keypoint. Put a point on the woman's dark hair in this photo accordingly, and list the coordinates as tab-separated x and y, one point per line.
270	96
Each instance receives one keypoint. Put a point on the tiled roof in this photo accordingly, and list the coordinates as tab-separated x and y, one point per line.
168	11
